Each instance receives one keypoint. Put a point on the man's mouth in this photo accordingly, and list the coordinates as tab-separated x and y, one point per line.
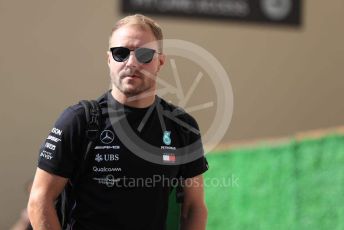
132	76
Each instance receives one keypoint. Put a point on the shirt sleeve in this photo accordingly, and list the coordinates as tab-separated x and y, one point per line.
58	154
195	151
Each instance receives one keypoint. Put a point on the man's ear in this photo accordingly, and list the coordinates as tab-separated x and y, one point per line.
162	59
109	56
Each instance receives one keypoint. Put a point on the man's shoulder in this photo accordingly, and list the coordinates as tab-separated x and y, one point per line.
78	110
75	110
72	116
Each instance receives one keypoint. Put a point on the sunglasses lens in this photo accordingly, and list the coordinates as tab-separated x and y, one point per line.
144	55
120	54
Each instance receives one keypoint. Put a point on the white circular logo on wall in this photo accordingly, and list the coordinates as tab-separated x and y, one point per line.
276	9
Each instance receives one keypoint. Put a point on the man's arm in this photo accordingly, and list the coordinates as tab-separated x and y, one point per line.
41	207
194	211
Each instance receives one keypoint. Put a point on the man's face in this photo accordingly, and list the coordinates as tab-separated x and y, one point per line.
132	77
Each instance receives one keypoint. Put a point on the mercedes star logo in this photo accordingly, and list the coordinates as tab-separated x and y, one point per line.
107	136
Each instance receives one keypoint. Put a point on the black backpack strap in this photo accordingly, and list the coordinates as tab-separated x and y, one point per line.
93	120
93	116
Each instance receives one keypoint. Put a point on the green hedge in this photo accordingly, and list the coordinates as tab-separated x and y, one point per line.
298	185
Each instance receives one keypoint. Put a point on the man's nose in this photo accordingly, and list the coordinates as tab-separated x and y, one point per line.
132	61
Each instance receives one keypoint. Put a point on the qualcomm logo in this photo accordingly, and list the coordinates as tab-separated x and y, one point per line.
105	169
107	136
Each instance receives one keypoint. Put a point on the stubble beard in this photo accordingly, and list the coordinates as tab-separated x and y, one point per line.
146	85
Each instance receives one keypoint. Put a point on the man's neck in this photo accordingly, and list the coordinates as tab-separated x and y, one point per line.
142	100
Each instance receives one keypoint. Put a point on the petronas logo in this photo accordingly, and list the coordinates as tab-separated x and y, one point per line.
167	137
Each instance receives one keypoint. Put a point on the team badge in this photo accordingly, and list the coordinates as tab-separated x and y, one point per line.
107	136
167	137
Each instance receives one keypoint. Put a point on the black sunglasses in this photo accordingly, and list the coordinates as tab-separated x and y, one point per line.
143	55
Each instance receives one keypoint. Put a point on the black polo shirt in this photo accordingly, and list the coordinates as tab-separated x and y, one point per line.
124	186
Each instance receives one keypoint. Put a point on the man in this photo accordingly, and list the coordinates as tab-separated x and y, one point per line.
104	200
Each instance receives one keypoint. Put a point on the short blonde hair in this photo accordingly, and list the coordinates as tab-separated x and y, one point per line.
145	23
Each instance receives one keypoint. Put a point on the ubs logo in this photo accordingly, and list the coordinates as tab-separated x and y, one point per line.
106	157
107	136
